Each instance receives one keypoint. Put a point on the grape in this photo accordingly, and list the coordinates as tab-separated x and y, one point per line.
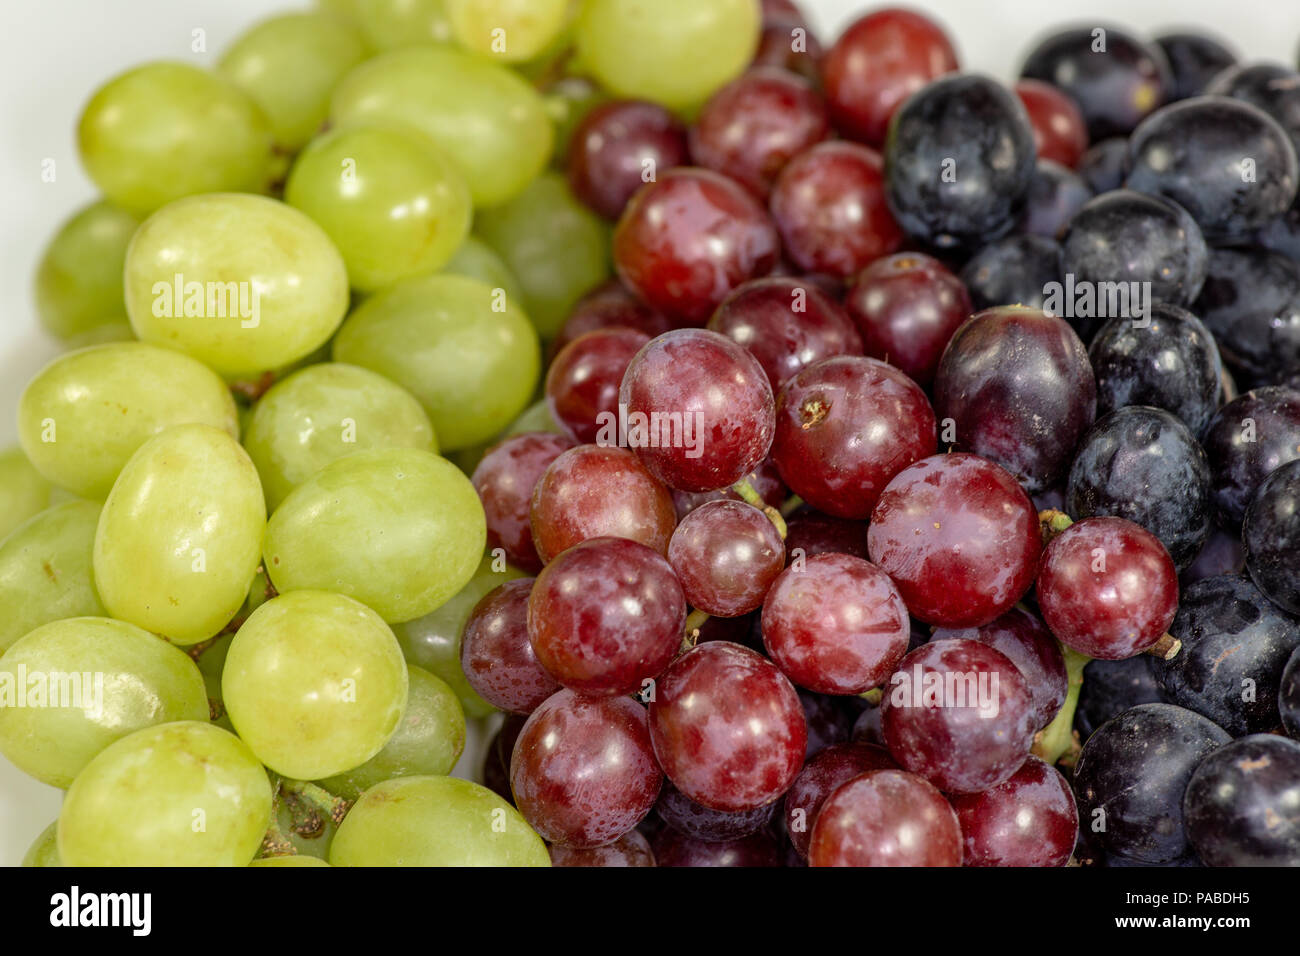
555	246
444	337
289	65
178	539
672	848
505	479
1028	820
496	655
24	492
98	680
593	492
79	277
1270	534
487	119
631	849
391	202
44	850
511	30
1060	134
820	777
291	860
675	52
1112	687
435	821
704	406
1052	201
583	381
398	529
475	259
87	412
178	794
583	771
165	130
763	479
726	554
1247	440
1241	804
609	305
885	818
691	819
1288	696
727	727
605	616
429	740
811	532
325	412
617	147
260	284
388	24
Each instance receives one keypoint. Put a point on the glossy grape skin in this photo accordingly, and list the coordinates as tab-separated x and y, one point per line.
726	554
675	849
87	412
885	818
390	24
979	561
1060	134
1160	745
488	120
1027	820
1251	302
526	28
618	147
398	529
443	337
496	655
788	42
1288	697
475	259
1222	553
1192	151
582	382
1247	440
879	61
1194	60
845	427
1105	165
1143	464
505	479
135	803
1012	271
980	126
605	616
690	237
1269	86
820	777
1114	88
687	817
907	306
78	287
1172	363
751	746
1112	687
829	205
1054	197
631	849
1240	804
434	821
610	305
1270	534
812	532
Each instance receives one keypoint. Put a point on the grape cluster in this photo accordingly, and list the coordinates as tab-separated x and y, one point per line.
821	455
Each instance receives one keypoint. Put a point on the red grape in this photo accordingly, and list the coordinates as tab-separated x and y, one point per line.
583	380
618	147
820	776
505	480
726	554
631	849
714	826
677	849
885	818
786	42
764	479
812	532
1027	820
496	655
610	305
1060	133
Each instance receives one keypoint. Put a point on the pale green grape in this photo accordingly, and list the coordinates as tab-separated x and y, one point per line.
45	570
475	259
88	411
510	30
179	794
326	412
429	740
465	350
556	246
44	850
23	490
114	330
488	119
166	130
435	821
212	662
432	642
260	284
388	24
292	859
568	100
535	418
79	278
314	683
674	52
289	65
70	688
399	529
180	534
392	202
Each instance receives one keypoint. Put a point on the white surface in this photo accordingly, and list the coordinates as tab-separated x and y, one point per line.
55	52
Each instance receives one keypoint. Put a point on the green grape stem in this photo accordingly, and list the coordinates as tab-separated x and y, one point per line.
691	633
791	505
873	696
316	797
747	492
1057	741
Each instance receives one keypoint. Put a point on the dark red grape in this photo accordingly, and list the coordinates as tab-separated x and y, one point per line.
583	381
1060	133
819	778
1270	535
764	479
810	532
885	818
496	655
712	826
672	848
788	43
631	849
610	306
1246	441
505	480
1027	820
1241	804
618	147
726	554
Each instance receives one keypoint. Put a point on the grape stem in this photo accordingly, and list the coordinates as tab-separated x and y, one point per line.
1166	648
691	633
873	696
317	797
1057	742
1051	523
276	842
791	505
747	492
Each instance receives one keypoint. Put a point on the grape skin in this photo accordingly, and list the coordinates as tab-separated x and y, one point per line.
79	277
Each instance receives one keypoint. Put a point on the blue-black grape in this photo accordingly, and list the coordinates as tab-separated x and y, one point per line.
1270	534
1248	439
1112	687
1105	165
1054	196
1251	302
1272	87
1194	60
1288	696
1012	271
1242	806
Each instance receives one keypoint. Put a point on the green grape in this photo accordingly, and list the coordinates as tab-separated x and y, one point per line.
24	492
392	202
243	283
44	850
88	411
488	119
180	534
535	418
314	683
165	130
510	30
568	100
211	662
465	350
475	259
398	529
292	859
178	794
432	642
326	412
675	52
429	740
289	65
70	688
45	570
79	278
557	247
106	333
435	821
388	24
